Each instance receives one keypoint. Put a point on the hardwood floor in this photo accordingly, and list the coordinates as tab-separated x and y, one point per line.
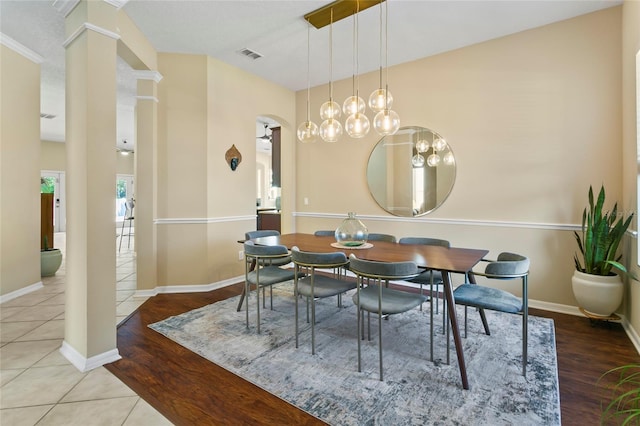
189	390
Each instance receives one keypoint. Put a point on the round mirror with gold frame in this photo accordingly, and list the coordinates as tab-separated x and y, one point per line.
411	173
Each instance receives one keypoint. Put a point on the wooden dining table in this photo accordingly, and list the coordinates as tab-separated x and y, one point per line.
448	260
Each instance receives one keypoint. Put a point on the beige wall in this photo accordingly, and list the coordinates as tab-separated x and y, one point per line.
54	158
533	119
204	207
630	142
19	172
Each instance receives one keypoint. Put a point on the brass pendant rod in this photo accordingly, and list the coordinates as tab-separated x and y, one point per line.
341	9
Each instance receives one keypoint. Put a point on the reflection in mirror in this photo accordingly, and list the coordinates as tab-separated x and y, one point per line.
412	172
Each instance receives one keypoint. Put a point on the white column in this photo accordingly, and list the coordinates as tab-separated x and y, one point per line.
90	315
146	180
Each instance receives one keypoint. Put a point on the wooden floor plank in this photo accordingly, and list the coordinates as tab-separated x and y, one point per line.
189	390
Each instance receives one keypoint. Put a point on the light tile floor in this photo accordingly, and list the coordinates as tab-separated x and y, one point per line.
38	386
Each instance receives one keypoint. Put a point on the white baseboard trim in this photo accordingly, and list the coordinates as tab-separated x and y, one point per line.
86	364
631	332
573	310
21	292
192	288
555	307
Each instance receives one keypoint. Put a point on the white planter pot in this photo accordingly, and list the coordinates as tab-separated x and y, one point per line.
598	295
50	261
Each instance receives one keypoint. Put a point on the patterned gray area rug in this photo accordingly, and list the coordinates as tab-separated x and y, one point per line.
415	390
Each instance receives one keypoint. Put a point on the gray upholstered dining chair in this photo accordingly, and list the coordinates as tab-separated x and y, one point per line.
267	233
508	266
381	237
380	299
316	285
431	278
324	233
264	274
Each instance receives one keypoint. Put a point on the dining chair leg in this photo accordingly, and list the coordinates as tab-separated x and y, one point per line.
380	341
246	291
258	304
448	341
359	328
295	296
444	310
313	323
524	343
525	323
431	320
271	296
465	321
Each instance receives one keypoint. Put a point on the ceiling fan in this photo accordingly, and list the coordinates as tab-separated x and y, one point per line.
265	137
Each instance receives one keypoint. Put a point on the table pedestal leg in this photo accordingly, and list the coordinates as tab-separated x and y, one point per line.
453	319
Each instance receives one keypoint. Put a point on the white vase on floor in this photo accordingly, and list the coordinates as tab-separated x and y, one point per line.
597	294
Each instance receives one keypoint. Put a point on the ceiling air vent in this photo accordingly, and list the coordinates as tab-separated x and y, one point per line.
249	53
48	116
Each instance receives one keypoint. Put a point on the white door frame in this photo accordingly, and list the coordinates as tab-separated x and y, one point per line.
59	200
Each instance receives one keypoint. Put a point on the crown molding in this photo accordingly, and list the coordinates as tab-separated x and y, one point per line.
7	41
148	75
65	6
87	26
118	4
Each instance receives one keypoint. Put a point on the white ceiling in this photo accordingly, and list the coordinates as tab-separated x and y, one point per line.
276	29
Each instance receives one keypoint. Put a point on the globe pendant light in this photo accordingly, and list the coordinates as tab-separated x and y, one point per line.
308	130
449	159
352	105
357	124
387	121
433	160
330	129
417	161
329	109
439	144
422	145
380	98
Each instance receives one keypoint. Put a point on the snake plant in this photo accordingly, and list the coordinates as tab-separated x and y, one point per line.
600	237
621	400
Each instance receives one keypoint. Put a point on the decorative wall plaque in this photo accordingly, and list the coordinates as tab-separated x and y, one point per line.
233	157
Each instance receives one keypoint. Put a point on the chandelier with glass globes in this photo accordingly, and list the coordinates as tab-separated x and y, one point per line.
357	125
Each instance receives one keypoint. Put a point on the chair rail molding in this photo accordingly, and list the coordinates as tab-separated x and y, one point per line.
449	221
201	220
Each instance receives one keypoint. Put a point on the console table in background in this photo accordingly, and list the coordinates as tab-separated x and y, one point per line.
268	219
